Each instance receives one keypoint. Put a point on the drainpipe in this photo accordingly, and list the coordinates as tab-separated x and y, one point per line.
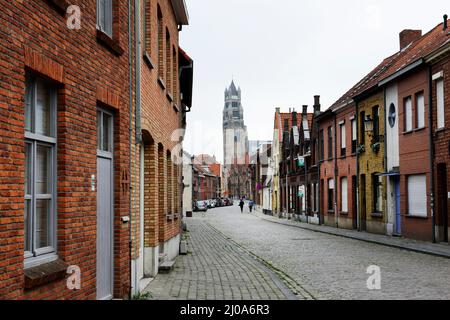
137	20
431	143
130	88
358	204
336	182
385	159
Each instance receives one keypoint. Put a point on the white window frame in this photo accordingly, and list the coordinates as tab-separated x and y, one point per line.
420	110
408	114
440	103
417	195
36	256
105	16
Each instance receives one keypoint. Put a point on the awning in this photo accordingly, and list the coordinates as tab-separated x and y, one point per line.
389	174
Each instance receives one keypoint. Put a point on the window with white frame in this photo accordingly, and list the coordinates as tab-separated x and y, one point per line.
40	170
440	104
343	139
344	194
417	195
330	195
354	136
420	110
105	16
408	114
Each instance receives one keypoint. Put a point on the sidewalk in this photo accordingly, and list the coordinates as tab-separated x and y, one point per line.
439	250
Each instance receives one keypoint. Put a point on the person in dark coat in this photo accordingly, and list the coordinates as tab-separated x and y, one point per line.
241	204
250	205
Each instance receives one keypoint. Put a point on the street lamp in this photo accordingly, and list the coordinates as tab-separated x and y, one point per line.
368	124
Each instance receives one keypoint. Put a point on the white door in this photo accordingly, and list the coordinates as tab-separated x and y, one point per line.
105	207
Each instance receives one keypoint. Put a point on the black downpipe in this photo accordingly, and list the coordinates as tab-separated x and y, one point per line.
358	204
130	88
336	183
431	143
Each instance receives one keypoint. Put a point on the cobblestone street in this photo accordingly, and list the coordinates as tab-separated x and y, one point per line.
223	245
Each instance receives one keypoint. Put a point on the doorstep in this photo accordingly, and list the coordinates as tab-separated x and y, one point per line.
435	249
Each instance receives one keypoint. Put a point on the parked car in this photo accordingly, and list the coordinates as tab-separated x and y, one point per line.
214	203
200	206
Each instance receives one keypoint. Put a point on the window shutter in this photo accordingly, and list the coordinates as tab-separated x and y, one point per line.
440	104
417	195
344	195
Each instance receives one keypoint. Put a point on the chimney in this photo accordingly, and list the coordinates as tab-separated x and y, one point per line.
277	110
316	105
445	21
305	110
294	119
409	36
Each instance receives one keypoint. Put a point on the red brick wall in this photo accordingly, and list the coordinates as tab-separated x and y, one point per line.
346	164
442	137
414	153
160	117
35	37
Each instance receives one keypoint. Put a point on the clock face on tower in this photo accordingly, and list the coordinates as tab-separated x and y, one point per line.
392	115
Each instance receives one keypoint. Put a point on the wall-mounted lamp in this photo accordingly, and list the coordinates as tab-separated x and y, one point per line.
368	124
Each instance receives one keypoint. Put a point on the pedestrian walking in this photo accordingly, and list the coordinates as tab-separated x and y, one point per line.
241	204
250	205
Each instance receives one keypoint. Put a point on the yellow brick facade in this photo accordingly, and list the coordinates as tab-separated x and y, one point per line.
370	163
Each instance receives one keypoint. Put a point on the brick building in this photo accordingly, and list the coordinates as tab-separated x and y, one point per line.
439	73
64	141
163	96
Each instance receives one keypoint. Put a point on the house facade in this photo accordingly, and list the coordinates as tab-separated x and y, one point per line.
65	150
159	115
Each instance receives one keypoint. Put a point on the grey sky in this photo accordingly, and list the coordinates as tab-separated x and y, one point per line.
283	52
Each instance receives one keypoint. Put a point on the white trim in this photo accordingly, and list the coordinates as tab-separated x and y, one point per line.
438	75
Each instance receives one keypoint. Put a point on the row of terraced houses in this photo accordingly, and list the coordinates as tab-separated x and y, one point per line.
91	92
377	160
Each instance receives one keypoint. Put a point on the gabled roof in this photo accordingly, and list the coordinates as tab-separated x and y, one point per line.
180	11
416	51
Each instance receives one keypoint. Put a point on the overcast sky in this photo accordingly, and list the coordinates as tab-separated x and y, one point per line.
283	52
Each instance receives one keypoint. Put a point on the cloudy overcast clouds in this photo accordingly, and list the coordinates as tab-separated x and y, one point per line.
283	52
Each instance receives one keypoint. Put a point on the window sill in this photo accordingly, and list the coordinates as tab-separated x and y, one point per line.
109	43
60	5
440	130
343	213
170	217
169	97
161	83
408	132
410	216
376	215
45	273
330	212
175	107
148	60
419	129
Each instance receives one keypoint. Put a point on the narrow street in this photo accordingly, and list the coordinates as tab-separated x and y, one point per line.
221	264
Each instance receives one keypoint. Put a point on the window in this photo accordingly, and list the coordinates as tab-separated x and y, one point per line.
330	142
377	193
440	104
40	170
168	63
420	111
104	132
330	194
321	146
343	139
408	114
344	194
105	16
354	136
175	75
392	117
376	124
160	45
417	195
286	124
362	119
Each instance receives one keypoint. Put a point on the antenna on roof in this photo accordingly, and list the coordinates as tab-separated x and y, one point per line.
445	21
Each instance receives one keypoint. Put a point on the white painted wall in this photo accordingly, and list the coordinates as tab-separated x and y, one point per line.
393	154
392	144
